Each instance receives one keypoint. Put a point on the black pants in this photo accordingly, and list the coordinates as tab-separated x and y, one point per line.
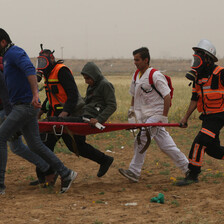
207	141
85	150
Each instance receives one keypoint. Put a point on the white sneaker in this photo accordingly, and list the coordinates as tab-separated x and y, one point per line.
2	190
129	174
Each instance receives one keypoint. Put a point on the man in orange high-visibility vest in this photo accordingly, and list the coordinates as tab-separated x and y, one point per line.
208	98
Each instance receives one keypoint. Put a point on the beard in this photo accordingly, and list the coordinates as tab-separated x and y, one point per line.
4	49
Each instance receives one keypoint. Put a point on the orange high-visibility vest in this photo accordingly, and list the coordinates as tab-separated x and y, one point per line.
55	92
210	100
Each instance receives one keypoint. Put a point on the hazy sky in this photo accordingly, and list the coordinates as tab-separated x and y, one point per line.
98	29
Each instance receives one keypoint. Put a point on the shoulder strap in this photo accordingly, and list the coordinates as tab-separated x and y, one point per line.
136	73
151	74
151	81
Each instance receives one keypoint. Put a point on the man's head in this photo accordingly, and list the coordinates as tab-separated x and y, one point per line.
4	36
141	58
204	56
45	62
91	73
4	40
203	61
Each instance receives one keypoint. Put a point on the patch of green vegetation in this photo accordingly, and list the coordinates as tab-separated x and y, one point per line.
175	202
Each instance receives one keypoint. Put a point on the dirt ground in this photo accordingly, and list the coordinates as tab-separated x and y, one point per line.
112	198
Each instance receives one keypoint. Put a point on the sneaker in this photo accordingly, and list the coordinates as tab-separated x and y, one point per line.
34	183
67	181
189	179
51	179
129	174
38	181
105	166
2	190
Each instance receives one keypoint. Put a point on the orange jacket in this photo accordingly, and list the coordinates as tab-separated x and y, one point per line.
56	95
210	100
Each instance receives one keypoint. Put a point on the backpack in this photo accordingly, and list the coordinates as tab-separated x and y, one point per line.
151	82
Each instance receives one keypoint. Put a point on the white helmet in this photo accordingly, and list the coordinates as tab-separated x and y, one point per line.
208	48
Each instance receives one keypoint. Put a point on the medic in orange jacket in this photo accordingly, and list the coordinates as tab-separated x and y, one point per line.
208	98
60	86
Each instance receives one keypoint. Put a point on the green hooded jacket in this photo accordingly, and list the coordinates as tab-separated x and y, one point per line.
100	101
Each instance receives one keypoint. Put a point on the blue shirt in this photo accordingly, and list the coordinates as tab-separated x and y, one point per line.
17	67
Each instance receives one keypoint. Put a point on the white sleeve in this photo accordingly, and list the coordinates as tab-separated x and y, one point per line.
132	86
161	84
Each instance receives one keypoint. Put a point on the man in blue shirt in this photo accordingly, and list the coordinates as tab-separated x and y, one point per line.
21	82
15	143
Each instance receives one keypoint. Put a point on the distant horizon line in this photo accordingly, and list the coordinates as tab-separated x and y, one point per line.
122	58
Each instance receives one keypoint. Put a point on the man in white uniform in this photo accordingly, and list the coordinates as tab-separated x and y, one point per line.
149	106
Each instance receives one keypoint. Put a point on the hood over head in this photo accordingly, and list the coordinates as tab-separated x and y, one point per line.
92	71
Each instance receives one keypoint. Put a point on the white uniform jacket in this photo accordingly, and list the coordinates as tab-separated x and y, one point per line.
147	102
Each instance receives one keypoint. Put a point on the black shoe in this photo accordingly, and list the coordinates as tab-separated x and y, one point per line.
189	179
105	166
40	180
35	182
67	181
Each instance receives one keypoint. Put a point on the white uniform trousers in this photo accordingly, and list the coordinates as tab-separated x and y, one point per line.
164	142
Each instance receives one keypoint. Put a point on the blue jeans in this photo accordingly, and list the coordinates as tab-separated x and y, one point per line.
19	148
24	117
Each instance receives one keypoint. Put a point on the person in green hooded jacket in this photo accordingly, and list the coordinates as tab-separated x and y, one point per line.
100	101
100	104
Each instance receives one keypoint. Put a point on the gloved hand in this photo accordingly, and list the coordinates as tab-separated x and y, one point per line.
131	111
131	115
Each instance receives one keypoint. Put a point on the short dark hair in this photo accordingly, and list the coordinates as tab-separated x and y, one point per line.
4	36
144	53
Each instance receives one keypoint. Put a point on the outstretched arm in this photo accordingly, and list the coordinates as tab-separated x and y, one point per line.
191	108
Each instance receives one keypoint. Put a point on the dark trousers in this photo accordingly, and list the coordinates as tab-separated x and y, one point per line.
207	141
85	150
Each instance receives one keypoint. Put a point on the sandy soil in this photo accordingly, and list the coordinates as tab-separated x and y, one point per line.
107	199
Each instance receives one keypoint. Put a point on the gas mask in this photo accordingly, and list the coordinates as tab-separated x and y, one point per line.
198	65
44	62
198	62
191	75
